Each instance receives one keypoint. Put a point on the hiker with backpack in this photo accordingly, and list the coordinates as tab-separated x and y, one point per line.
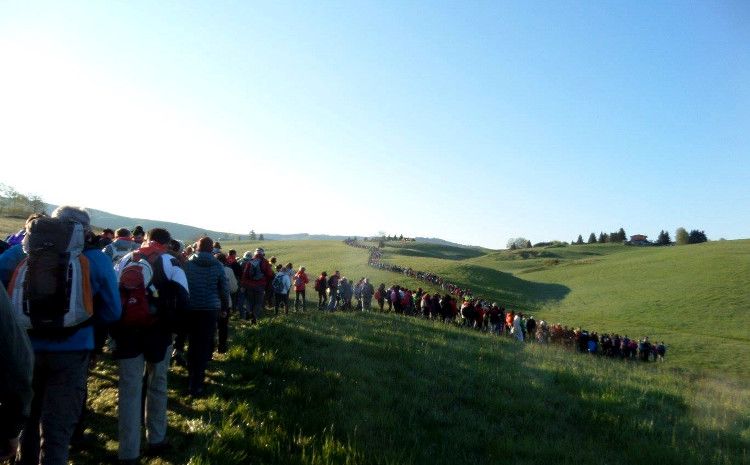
333	290
380	296
300	281
209	299
59	306
121	246
222	322
242	306
256	275
320	288
12	256
17	366
154	295
345	293
281	285
366	293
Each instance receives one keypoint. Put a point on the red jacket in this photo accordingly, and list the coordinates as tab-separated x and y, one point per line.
265	267
302	279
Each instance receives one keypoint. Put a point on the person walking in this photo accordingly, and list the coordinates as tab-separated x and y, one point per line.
61	355
209	295
143	351
256	275
300	281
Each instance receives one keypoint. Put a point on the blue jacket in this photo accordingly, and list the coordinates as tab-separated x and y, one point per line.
208	284
9	260
107	307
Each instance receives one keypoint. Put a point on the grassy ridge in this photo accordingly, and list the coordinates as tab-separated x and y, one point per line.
321	388
694	297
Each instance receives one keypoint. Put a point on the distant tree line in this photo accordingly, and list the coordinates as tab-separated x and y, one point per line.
17	205
682	237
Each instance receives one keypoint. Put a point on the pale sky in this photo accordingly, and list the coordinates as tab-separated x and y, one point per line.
471	121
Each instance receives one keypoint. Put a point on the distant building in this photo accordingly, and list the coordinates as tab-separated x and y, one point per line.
639	239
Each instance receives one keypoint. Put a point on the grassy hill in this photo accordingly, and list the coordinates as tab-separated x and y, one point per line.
694	297
370	388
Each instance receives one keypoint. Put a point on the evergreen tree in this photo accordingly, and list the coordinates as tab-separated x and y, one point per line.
603	238
696	237
261	238
682	237
664	238
528	244
622	236
252	235
592	238
579	241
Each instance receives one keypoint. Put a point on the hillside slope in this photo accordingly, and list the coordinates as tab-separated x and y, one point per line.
695	298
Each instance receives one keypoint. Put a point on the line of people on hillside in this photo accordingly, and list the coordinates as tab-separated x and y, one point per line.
477	313
144	297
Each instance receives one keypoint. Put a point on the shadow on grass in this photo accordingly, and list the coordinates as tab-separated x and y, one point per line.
390	389
445	252
510	290
371	388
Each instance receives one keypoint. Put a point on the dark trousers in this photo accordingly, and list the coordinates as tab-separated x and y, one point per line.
282	298
223	325
300	295
201	330
59	392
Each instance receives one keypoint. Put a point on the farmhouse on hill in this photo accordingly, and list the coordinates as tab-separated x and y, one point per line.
639	239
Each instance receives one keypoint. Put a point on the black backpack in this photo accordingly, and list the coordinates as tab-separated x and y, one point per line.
51	289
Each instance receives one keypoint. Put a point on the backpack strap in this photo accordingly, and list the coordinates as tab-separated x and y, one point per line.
12	284
88	296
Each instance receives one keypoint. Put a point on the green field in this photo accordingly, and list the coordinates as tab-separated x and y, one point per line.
361	388
695	298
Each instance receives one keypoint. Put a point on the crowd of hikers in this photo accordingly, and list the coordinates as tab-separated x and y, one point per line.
459	306
69	295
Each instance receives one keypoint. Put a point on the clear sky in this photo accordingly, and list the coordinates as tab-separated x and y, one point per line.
472	121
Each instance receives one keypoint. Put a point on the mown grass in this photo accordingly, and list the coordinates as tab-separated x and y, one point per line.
367	388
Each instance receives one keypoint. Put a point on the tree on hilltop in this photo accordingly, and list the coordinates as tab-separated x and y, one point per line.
681	236
518	243
579	241
261	238
252	235
664	238
696	237
603	238
592	238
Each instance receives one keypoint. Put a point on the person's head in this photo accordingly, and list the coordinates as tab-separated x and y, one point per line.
177	245
279	267
336	273
205	244
364	280
217	246
247	254
302	268
289	266
158	235
122	232
221	257
34	216
232	253
261	252
139	234
77	214
272	259
108	233
324	274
